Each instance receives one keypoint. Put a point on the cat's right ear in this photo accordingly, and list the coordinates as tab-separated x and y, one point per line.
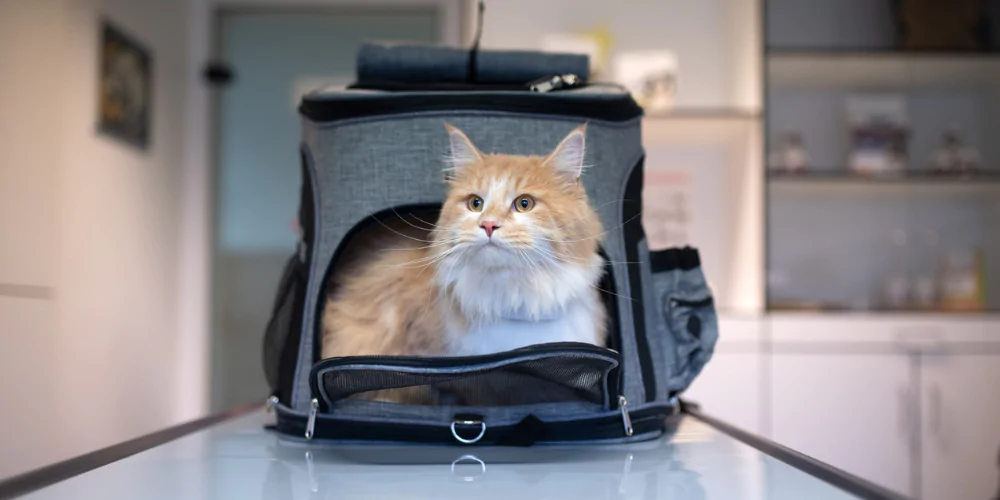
463	153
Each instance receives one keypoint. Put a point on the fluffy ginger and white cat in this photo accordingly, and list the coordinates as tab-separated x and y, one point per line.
512	261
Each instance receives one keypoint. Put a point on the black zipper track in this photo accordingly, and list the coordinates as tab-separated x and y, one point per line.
461	361
555	348
607	427
597	107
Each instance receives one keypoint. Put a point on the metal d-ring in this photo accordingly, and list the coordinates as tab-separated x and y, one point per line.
482	430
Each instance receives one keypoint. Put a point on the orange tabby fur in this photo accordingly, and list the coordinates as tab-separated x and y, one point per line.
389	302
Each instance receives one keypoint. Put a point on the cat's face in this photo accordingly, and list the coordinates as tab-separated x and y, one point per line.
517	212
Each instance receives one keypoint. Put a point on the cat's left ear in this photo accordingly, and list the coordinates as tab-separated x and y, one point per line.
463	152
567	158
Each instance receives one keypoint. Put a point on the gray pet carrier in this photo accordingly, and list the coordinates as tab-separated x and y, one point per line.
374	152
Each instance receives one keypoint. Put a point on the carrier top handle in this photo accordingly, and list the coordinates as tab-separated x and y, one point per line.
474	51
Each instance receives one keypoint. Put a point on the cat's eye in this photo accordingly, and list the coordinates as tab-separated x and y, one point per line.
524	203
475	203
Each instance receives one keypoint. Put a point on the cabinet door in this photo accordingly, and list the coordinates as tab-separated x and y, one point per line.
852	411
961	426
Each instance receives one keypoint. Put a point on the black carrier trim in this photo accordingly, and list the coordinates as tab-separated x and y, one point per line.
599	107
336	379
614	336
633	233
684	259
646	420
307	223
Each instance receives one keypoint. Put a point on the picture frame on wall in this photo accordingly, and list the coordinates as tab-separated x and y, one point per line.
125	81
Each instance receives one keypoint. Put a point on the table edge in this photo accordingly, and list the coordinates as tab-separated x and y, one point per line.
36	479
820	470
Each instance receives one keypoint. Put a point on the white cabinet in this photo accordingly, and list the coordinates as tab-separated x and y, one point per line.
960	438
729	387
852	411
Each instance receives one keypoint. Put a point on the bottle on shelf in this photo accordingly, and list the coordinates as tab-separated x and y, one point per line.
896	287
925	281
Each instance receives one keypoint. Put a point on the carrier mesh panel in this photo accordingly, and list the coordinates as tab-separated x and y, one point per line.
550	380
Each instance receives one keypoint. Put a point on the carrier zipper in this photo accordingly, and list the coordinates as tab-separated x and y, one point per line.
464	361
271	403
311	423
626	419
557	82
474	363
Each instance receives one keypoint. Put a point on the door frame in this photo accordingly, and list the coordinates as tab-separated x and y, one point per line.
452	28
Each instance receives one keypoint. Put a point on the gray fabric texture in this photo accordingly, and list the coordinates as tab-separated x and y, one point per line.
678	353
365	166
694	348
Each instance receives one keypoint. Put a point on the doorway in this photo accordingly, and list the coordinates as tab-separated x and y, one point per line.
275	56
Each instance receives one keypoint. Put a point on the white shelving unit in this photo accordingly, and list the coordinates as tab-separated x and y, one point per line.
904	399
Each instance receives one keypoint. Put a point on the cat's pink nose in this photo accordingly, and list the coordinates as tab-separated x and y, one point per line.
489	226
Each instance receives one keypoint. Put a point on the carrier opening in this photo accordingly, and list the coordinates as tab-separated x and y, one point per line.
416	221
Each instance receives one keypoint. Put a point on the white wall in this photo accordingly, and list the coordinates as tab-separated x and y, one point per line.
716	41
91	231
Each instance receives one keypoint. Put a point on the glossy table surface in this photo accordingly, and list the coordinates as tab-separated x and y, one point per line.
238	459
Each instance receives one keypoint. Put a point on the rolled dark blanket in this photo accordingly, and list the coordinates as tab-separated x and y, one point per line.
439	64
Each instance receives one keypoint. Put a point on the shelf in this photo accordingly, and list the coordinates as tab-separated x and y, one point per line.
911	313
913	183
774	51
881	70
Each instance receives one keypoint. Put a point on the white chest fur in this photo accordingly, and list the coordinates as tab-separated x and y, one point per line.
559	300
577	323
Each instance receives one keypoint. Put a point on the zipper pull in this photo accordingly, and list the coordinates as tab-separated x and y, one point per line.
626	419
311	423
271	403
557	82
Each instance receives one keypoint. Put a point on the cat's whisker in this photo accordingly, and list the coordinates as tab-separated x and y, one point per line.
447	276
442	256
578	219
425	222
399	233
398	215
425	247
430	259
527	261
584	262
595	236
612	293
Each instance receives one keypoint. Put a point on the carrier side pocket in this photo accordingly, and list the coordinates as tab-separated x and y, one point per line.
286	322
681	309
